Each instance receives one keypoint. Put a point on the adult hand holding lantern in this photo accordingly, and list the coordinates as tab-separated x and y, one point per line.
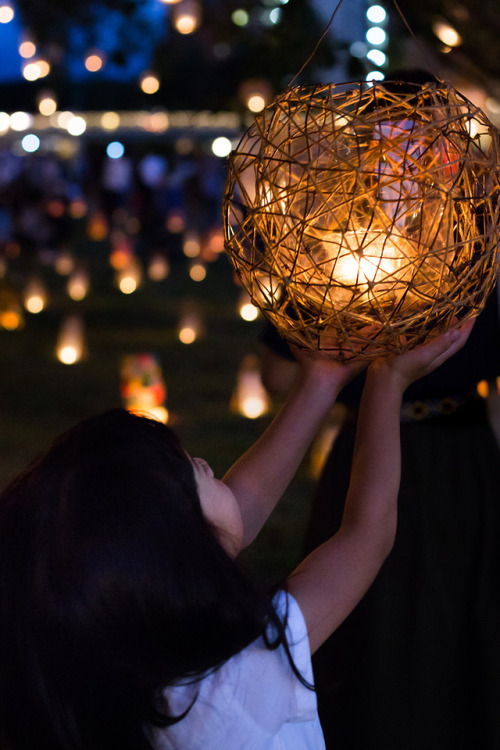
362	218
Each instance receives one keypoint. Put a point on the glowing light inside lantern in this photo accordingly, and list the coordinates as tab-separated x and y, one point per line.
356	260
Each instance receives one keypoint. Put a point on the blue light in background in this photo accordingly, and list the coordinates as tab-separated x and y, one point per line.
151	15
115	150
10	69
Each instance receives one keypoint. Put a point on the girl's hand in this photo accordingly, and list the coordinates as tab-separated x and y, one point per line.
319	365
410	366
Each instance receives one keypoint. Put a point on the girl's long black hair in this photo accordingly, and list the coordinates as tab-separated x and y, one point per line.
112	587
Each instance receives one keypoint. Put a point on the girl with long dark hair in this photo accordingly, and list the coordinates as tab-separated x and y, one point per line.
125	622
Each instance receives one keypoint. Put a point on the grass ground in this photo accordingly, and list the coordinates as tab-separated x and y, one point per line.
40	397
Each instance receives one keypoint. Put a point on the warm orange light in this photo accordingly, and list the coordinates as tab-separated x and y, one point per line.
156	122
446	33
35	296
250	398
191	246
130	277
36	69
256	103
78	285
27	49
247	310
159	267
483	388
47	105
176	221
97	227
10	319
77	208
150	83
197	271
64	263
110	120
94	62
190	326
6	13
70	342
186	16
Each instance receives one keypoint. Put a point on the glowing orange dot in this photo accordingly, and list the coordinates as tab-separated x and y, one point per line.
93	63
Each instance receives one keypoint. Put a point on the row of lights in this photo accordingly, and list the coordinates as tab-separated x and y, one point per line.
76	125
372	49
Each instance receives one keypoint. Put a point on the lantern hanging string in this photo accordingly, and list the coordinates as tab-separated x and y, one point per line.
325	32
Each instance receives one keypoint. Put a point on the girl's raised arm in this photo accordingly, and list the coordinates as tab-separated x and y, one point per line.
331	581
259	478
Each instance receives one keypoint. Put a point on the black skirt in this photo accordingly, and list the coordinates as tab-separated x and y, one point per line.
416	666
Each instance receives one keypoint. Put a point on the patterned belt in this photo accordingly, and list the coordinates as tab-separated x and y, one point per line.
417	411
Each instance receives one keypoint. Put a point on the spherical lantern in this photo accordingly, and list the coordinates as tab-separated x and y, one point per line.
362	218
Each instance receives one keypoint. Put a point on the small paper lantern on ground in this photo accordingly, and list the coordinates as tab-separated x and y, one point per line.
142	386
362	218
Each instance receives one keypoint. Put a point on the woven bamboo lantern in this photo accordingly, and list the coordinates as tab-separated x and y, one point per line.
362	218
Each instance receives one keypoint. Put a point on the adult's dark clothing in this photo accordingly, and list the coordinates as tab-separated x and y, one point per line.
417	664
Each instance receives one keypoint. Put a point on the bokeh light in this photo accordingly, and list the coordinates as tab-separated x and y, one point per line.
221	146
150	83
30	143
115	150
6	13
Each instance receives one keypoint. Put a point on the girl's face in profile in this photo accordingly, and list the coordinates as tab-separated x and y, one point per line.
219	507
